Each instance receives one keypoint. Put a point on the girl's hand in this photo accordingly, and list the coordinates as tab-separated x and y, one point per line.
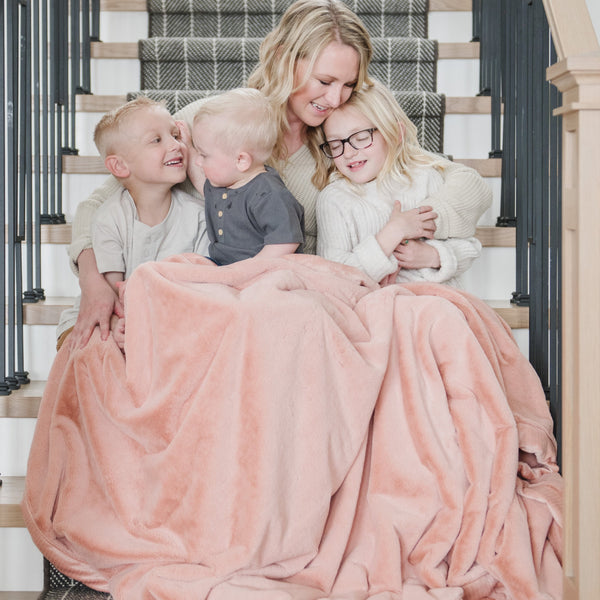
416	254
411	224
194	172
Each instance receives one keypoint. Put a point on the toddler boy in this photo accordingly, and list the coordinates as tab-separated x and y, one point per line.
249	211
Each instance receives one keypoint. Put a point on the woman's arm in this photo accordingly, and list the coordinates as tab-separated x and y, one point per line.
81	234
454	257
459	202
98	302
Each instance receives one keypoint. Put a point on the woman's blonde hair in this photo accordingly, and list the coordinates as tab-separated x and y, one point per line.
108	129
378	104
305	29
249	125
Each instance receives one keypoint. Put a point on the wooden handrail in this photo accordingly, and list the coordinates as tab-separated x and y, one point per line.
572	29
577	76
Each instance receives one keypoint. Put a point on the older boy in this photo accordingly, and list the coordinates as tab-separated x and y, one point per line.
148	219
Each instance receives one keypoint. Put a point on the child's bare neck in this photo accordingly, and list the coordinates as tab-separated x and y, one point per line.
248	176
152	202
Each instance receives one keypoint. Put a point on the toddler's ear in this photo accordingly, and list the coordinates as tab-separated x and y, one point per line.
244	161
116	165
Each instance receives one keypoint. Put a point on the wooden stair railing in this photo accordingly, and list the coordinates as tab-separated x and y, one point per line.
577	76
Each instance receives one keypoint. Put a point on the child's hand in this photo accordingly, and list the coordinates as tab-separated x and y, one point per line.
413	224
117	327
401	226
194	172
416	254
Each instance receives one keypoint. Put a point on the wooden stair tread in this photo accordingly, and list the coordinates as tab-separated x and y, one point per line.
455	105
23	403
11	493
499	237
94	165
140	5
129	50
47	312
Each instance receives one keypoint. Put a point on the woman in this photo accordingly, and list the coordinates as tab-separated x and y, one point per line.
309	65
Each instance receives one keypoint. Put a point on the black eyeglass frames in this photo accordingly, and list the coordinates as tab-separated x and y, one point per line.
359	141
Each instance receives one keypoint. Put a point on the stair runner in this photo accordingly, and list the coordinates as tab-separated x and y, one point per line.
197	48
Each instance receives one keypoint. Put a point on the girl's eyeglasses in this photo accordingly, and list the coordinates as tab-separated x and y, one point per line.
359	141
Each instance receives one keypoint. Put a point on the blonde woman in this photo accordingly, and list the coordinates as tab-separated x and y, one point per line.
309	65
386	210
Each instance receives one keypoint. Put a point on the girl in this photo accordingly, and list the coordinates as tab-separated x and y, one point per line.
386	210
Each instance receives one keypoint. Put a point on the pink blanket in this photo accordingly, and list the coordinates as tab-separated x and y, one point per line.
287	429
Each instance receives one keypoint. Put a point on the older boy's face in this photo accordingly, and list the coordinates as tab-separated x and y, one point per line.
218	164
155	152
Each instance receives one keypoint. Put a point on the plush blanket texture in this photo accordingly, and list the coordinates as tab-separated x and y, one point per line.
287	429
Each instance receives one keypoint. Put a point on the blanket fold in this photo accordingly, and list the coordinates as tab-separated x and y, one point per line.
288	429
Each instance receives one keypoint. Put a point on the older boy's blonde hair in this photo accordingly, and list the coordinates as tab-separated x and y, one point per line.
378	104
249	121
108	129
305	29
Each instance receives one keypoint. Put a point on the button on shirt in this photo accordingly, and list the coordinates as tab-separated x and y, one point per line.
241	221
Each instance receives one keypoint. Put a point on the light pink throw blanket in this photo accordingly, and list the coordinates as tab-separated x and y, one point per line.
287	429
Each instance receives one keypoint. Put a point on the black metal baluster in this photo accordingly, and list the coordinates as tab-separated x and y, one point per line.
4	387
522	172
12	99
507	217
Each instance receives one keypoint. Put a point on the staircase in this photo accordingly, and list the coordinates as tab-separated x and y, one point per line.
115	72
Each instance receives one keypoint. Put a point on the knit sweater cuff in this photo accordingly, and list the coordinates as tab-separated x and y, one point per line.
375	263
448	264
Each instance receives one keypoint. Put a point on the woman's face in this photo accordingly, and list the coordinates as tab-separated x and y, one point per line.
329	85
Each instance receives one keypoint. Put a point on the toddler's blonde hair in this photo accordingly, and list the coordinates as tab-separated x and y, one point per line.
249	122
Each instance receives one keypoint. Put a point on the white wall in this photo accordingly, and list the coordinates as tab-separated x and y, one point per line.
594	10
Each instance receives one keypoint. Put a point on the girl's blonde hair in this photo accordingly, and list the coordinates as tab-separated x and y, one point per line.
378	104
305	29
108	129
249	122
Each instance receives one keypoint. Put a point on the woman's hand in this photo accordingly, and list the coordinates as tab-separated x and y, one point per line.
98	302
411	224
194	172
416	254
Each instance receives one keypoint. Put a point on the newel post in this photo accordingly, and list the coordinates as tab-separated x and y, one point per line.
578	78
